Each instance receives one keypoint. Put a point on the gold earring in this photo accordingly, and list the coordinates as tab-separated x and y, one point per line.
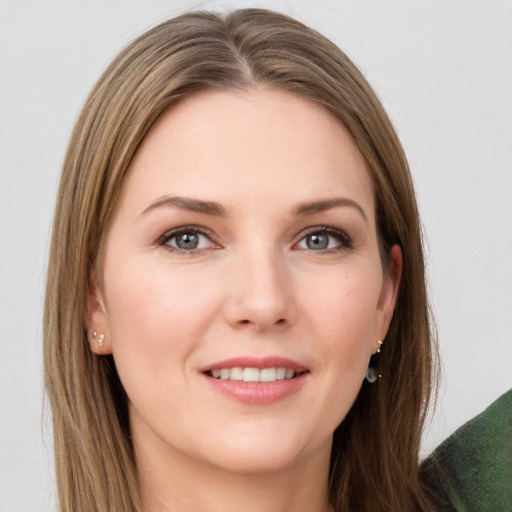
380	343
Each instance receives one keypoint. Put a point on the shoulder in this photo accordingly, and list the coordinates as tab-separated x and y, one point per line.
472	469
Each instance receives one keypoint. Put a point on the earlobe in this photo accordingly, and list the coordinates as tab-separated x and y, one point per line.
96	319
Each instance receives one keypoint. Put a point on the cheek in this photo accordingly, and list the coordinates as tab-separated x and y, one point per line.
344	304
343	312
155	318
150	297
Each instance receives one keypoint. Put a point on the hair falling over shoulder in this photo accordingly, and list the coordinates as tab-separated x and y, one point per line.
374	459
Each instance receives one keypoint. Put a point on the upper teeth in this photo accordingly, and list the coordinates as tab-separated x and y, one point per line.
253	374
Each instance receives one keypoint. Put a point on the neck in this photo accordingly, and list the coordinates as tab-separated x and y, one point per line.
177	483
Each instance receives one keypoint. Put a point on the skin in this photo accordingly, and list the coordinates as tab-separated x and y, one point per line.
253	287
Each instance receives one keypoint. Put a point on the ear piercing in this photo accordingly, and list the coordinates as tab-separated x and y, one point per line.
101	339
372	374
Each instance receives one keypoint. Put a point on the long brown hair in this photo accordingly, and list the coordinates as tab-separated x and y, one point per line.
374	463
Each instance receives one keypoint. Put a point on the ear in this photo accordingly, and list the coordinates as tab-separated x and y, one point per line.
98	332
388	295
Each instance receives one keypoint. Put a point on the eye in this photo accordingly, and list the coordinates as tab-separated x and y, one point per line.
186	240
325	239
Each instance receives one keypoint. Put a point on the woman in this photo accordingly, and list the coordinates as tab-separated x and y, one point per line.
235	206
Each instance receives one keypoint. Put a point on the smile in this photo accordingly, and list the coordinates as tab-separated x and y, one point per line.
256	380
253	374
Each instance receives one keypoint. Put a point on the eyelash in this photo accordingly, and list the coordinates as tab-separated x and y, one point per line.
182	230
344	240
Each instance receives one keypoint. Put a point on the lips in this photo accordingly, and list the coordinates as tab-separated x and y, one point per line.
256	380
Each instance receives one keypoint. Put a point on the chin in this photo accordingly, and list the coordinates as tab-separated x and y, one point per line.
252	462
265	452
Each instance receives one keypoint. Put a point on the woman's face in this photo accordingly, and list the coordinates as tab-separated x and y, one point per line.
244	247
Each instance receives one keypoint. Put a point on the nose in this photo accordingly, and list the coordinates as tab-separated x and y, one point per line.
260	295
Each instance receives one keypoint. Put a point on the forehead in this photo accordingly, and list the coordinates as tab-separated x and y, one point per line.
265	144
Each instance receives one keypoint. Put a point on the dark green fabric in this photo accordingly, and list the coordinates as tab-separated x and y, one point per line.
472	470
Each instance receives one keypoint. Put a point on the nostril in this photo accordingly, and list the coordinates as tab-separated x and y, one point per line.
278	322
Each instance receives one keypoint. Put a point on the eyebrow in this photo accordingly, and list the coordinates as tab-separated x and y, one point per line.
323	205
187	203
217	210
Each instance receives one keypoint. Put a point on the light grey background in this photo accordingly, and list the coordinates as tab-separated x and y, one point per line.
444	72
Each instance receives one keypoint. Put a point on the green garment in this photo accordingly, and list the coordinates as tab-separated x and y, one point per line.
472	470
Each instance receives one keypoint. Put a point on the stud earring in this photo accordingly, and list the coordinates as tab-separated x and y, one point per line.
101	339
380	345
94	334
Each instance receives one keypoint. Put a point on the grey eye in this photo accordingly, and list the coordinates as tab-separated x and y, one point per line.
187	241
325	240
317	241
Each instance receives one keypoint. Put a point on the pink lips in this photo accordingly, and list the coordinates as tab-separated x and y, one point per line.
257	393
256	362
